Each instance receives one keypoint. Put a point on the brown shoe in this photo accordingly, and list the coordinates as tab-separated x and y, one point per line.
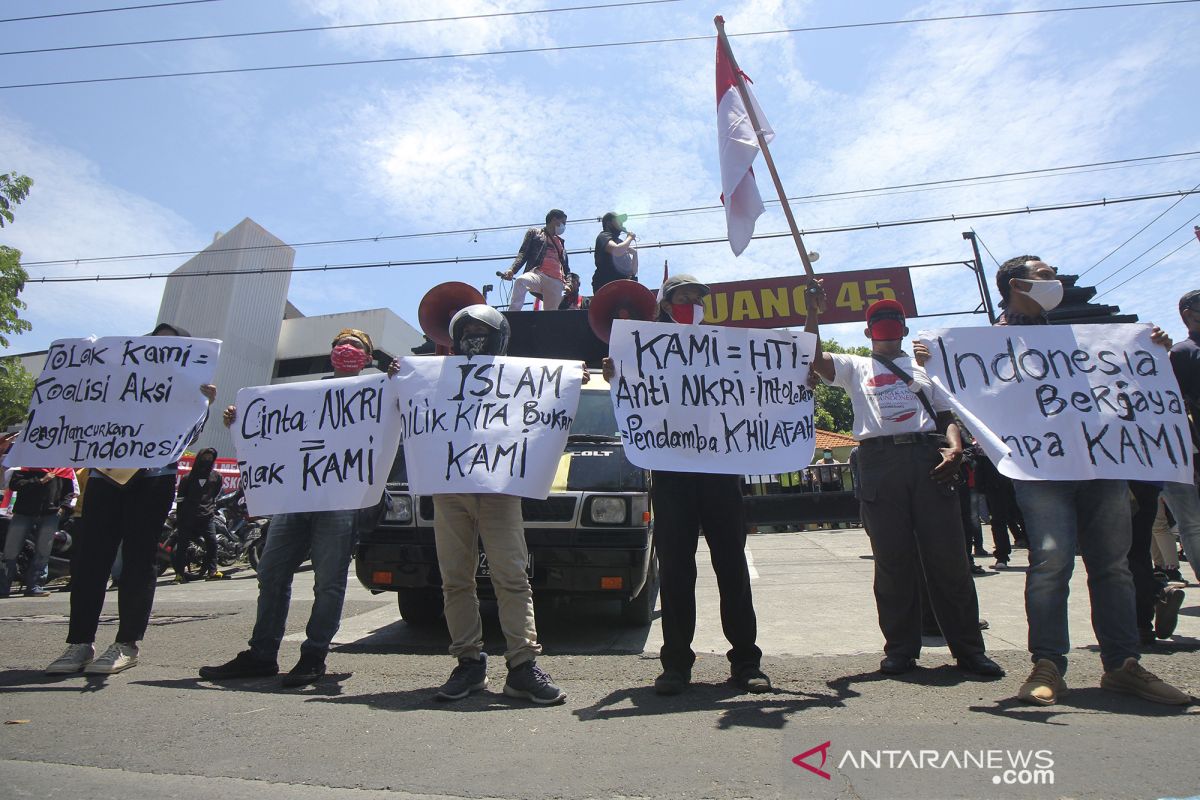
1044	685
1133	678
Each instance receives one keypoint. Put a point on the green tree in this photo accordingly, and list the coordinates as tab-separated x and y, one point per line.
834	411
13	189
16	386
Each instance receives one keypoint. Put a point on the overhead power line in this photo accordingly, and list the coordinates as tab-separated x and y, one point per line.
321	28
1108	201
1122	268
588	46
810	198
1139	272
1139	233
108	10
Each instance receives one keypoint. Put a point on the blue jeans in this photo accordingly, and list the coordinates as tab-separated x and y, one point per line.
19	527
1184	501
328	537
1095	517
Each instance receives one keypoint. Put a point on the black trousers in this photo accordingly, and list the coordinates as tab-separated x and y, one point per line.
203	530
1002	505
684	505
915	528
1145	588
113	515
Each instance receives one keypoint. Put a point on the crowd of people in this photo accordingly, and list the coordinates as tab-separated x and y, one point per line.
924	489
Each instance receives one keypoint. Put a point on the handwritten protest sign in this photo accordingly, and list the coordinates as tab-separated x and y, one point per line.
1070	402
316	446
486	424
697	398
118	401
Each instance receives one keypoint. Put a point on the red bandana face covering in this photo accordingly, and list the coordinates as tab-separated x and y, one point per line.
885	329
686	313
348	358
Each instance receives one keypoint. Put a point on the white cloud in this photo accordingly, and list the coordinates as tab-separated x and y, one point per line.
75	211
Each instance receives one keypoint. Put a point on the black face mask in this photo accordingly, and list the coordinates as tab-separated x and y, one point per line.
473	345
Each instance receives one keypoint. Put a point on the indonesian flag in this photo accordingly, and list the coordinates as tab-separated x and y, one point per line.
738	147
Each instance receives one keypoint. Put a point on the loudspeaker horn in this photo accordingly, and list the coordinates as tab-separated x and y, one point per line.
620	300
440	304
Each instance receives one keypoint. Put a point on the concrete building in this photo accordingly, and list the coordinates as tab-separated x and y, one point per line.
236	290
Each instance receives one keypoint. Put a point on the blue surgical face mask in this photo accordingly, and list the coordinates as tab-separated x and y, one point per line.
560	228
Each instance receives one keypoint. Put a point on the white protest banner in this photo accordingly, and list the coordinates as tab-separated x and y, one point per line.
1066	402
697	398
318	445
486	424
119	401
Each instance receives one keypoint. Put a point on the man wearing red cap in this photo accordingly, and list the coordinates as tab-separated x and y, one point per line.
907	473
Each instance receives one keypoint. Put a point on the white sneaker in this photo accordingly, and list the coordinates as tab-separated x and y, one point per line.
117	658
999	565
75	658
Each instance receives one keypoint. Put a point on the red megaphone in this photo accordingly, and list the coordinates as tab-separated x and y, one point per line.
620	300
440	304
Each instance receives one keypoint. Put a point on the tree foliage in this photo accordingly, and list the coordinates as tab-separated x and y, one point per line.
16	387
13	189
834	411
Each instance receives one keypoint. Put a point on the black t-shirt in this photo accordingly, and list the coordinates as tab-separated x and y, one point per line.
605	271
1185	360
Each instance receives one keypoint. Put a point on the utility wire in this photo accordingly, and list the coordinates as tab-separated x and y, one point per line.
1156	263
1042	172
986	249
645	246
1114	273
588	46
108	10
1139	233
316	28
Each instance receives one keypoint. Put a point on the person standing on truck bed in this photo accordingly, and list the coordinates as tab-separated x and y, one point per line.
686	504
906	488
542	261
327	537
460	522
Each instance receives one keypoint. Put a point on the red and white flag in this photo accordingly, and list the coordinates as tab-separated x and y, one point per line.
738	147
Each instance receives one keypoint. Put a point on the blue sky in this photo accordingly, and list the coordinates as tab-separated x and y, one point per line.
359	151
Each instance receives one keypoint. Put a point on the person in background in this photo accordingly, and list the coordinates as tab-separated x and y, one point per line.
41	493
1002	509
1163	548
195	515
327	537
616	259
1184	498
686	505
1157	603
543	264
122	509
571	298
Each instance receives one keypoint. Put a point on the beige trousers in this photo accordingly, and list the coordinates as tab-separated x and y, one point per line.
460	522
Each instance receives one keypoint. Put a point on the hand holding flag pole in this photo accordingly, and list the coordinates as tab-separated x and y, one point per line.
752	205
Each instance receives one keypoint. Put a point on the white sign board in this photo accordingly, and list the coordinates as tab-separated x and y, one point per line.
487	424
1066	402
697	398
119	401
318	445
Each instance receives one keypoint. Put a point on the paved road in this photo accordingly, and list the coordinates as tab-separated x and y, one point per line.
372	730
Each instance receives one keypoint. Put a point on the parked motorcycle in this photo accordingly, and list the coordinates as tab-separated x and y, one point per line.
237	533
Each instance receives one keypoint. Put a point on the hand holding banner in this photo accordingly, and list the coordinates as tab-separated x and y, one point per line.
1066	402
696	398
494	424
127	402
316	446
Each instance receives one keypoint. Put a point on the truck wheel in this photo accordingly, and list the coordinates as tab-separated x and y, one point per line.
639	611
420	607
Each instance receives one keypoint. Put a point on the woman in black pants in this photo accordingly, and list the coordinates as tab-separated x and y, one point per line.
121	507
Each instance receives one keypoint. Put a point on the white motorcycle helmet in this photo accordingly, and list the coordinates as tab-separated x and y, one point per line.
495	343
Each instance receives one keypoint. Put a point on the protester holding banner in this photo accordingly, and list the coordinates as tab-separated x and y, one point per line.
328	538
542	261
40	495
195	515
461	521
687	504
126	509
1183	498
615	259
908	461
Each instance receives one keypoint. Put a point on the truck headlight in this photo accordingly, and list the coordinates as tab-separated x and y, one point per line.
399	508
608	510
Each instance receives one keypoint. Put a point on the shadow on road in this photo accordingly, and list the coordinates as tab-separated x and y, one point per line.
423	699
330	685
1087	700
32	680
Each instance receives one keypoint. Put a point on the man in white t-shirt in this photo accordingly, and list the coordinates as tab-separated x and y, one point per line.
907	473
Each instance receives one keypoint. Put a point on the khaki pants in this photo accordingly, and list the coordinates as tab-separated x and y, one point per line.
460	521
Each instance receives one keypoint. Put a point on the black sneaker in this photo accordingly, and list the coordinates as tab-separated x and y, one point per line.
469	676
1174	576
36	591
243	665
309	669
671	682
530	681
978	570
753	680
1166	612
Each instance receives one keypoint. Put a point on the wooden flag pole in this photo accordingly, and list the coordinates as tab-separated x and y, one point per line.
762	145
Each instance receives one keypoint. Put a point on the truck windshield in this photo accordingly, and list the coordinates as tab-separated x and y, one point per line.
595	416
